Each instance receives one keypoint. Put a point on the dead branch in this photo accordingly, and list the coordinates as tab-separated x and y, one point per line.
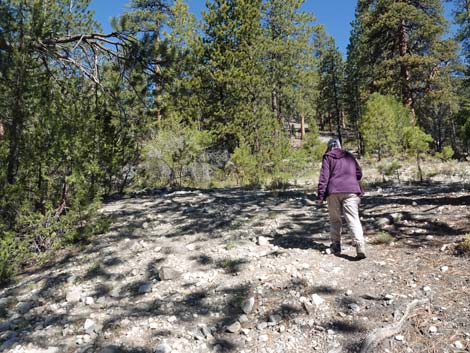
378	335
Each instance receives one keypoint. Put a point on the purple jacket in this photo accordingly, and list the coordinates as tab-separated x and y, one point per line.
340	172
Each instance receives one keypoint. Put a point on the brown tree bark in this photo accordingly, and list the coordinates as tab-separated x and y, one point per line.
405	70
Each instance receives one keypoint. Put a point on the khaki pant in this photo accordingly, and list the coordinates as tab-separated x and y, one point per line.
349	204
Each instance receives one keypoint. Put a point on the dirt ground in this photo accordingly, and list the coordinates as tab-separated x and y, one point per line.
177	268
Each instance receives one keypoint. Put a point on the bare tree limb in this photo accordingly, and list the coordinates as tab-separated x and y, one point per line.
378	335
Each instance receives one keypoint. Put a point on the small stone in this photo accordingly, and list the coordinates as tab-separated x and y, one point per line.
205	331
167	273
145	225
275	318
74	295
145	288
243	318
388	297
191	247
163	348
247	305
23	308
89	301
235	327
432	329
444	268
354	307
458	345
349	292
308	308
262	325
426	289
400	338
328	251
429	237
263	338
382	222
115	293
89	326
317	300
262	241
331	332
414	203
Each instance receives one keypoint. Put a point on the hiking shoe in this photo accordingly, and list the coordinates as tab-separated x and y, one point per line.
335	248
360	251
360	256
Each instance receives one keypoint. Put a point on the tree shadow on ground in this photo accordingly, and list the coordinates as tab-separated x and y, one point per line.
213	213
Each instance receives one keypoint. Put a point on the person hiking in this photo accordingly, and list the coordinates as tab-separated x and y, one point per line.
339	186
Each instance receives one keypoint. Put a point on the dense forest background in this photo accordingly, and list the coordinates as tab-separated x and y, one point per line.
237	98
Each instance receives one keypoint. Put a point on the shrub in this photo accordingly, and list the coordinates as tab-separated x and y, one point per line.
389	169
178	157
383	237
12	251
464	247
446	154
382	124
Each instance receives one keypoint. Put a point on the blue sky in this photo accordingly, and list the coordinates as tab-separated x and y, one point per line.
335	15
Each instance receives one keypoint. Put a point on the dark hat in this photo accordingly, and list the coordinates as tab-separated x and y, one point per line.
333	143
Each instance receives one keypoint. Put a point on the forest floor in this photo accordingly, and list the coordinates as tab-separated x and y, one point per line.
234	270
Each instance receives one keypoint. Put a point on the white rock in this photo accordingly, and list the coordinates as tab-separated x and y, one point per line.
247	305
399	338
74	295
89	326
163	348
432	329
458	345
262	241
263	338
444	268
349	292
317	300
235	327
426	289
89	301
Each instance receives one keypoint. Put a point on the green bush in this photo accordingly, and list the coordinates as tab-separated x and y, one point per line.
178	157
463	248
382	125
446	154
383	237
12	252
389	169
243	165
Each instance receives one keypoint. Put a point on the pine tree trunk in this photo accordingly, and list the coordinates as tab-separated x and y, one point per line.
158	99
405	71
302	126
420	172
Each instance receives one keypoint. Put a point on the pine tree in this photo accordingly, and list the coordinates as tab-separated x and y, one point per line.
331	70
406	46
232	78
462	19
288	57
